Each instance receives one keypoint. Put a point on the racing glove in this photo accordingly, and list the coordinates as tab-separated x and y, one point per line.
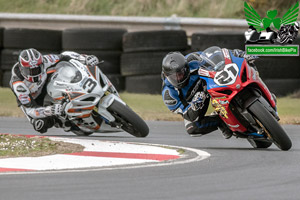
194	56
195	109
241	54
91	60
55	109
198	101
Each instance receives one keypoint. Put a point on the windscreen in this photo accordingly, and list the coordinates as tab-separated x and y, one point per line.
67	73
213	58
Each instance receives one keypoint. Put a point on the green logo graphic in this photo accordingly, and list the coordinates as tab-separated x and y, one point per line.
253	18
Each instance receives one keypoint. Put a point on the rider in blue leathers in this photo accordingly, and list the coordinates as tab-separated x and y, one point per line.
184	92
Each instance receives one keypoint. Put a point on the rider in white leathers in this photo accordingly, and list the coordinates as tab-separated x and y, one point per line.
29	80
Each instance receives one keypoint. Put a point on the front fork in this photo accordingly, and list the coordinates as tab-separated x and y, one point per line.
104	103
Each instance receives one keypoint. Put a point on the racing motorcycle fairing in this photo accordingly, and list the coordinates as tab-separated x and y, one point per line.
88	92
227	78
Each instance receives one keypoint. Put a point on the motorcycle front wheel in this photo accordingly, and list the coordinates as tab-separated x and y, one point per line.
259	144
130	121
271	126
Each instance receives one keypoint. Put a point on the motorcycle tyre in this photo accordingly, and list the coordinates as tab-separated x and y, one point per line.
259	144
279	136
132	119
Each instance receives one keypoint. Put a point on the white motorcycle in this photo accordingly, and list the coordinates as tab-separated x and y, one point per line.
91	101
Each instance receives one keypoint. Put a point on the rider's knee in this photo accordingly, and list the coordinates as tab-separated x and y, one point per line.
41	125
201	127
197	128
192	129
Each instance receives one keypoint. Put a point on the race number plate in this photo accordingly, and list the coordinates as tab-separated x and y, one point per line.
227	76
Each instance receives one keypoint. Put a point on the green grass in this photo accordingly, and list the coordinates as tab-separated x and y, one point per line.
151	107
8	104
289	110
18	145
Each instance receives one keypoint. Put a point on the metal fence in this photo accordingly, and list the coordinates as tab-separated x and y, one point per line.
54	21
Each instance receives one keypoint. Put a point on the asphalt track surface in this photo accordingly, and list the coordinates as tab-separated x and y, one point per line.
234	171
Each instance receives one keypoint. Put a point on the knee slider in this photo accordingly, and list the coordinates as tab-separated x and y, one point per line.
193	129
42	125
201	128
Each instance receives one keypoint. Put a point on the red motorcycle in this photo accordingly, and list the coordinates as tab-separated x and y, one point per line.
242	99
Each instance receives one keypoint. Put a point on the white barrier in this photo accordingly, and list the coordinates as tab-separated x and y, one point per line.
60	22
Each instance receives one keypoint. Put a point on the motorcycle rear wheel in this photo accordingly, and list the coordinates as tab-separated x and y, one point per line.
131	122
272	127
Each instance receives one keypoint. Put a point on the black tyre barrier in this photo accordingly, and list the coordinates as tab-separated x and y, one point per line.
201	41
278	67
10	57
111	60
282	87
92	39
1	37
110	66
141	63
118	81
155	41
41	39
6	75
148	84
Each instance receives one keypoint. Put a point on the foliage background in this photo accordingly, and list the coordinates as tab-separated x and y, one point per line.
162	8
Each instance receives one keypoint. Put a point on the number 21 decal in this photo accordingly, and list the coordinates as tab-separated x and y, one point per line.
228	75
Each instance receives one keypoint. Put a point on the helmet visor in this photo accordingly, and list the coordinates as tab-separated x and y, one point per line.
177	79
32	71
35	71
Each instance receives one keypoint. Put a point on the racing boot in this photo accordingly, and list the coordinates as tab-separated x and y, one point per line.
227	133
58	123
67	125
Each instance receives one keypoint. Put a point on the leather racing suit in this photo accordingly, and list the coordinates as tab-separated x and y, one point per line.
32	97
191	102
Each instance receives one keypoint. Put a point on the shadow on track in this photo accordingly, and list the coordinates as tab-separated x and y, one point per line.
235	148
